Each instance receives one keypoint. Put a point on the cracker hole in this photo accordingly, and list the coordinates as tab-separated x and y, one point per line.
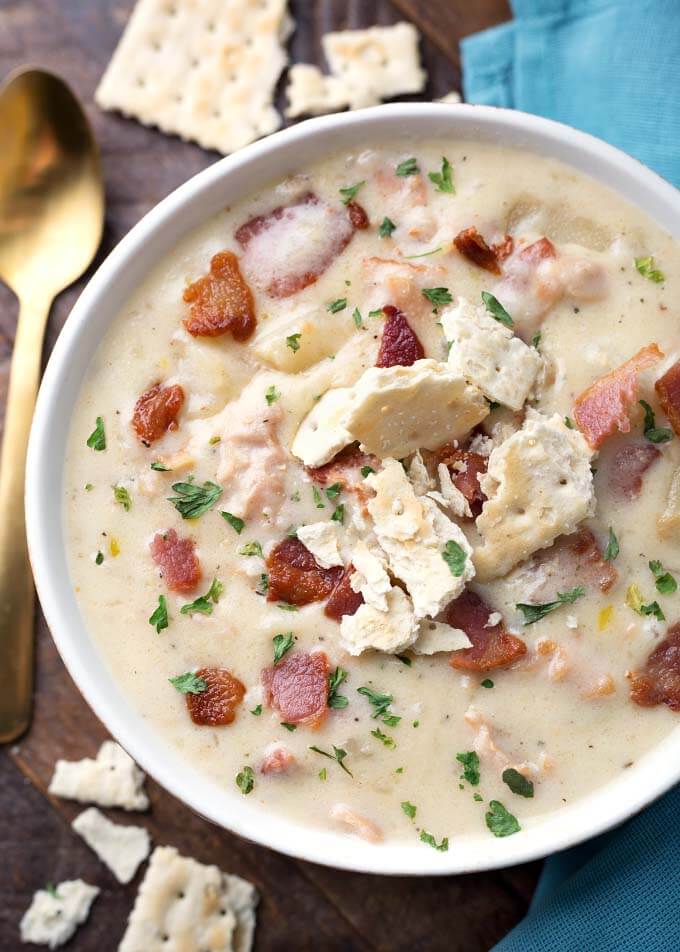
141	82
210	26
171	10
155	45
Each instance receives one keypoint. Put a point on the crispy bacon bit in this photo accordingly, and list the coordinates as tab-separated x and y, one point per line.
302	241
465	469
343	599
399	344
216	705
357	215
605	405
473	247
503	249
345	468
277	761
295	576
629	465
491	647
156	412
177	560
297	687
668	391
659	681
538	251
221	301
573	560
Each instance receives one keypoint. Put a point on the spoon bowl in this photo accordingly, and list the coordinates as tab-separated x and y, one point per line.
51	221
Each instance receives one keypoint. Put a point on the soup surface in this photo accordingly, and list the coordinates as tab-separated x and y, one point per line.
372	492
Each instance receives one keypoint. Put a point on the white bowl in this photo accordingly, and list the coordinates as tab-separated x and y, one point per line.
99	304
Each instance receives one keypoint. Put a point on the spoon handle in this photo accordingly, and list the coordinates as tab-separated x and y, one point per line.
16	582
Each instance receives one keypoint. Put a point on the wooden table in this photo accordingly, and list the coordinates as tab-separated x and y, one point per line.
303	906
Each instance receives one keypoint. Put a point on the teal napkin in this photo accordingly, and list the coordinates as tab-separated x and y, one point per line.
609	67
612	68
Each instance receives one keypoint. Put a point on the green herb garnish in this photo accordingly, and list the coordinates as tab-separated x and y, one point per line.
338	754
648	270
455	558
97	438
386	228
332	492
569	423
356	317
194	499
189	683
251	548
654	433
612	550
426	837
339	514
245	780
335	679
318	501
338	305
159	467
380	704
486	683
289	727
384	739
665	582
293	341
159	618
99	558
203	605
437	296
237	524
407	167
444	179
271	394
518	783
534	613
500	821
263	584
409	809
282	643
366	471
470	764
536	340
350	192
256	711
496	309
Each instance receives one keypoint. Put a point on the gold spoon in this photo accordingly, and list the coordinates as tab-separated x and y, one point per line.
51	220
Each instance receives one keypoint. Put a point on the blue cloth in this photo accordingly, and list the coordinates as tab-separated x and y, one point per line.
612	68
609	67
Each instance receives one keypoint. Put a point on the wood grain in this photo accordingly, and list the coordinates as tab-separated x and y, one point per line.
303	906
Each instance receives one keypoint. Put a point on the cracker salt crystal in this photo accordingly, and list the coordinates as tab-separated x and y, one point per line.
121	848
55	914
366	66
112	780
205	70
184	905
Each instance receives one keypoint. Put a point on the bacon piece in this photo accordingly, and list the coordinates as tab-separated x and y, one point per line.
297	687
345	468
277	761
572	561
356	822
471	245
605	405
538	251
295	576
491	647
465	469
668	391
217	705
399	344
177	560
357	215
221	301
288	248
156	412
659	681
343	599
629	465
503	249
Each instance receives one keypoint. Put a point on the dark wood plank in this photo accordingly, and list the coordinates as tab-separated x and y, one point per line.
303	906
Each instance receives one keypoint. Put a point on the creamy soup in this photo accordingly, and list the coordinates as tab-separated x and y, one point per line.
372	493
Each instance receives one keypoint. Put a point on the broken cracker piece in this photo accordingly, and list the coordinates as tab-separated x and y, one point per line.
55	913
202	69
121	848
112	780
183	904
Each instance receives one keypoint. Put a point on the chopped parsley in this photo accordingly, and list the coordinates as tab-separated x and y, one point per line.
426	837
350	192
282	643
378	312
237	524
193	499
159	618
386	228
189	683
251	548
338	754
444	179
647	269
470	764
409	809
335	679
203	605
496	309
366	471
424	254
318	501
339	514
407	167
89	487
536	340
256	711
356	317
334	491
263	584
52	890
99	558
534	613
323	773
122	496
293	341
612	550
289	727
500	821
478	797
381	706
455	557
245	780
437	296
159	467
338	305
384	739
654	433
634	601
271	394
286	607
665	582
486	683
97	438
518	783
404	659
569	423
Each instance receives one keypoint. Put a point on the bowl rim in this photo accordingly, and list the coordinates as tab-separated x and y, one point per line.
589	815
